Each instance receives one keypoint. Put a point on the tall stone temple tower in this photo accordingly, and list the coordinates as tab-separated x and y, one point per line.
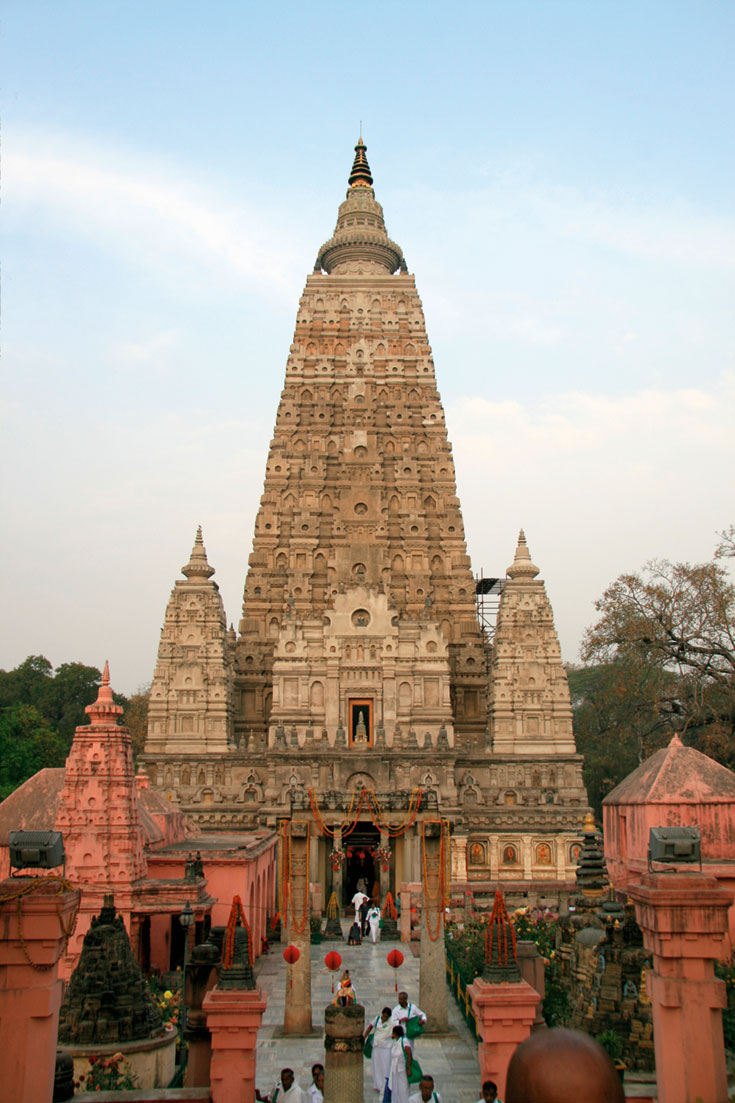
361	674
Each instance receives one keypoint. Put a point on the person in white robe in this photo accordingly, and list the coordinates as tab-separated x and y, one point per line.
398	1076
286	1091
403	1011
373	918
381	1029
427	1093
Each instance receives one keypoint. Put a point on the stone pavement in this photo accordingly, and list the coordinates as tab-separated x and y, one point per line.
450	1058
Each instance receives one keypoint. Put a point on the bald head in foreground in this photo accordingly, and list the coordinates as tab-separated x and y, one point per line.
562	1066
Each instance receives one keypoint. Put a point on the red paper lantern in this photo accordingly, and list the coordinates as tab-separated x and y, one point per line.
291	954
395	960
385	868
333	960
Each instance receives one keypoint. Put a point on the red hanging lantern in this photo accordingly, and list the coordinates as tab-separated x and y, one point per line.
395	960
333	960
291	955
385	868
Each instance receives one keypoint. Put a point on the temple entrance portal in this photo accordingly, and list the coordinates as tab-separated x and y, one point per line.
360	869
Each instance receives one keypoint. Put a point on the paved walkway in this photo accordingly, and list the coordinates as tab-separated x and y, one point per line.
451	1058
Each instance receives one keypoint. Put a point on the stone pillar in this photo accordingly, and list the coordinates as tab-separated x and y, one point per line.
432	962
30	996
343	1030
683	917
531	965
201	976
233	1018
505	1014
405	916
297	1012
337	875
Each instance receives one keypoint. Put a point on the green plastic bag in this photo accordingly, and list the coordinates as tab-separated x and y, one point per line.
414	1027
367	1049
415	1073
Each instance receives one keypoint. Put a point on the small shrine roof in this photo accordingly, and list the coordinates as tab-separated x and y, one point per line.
33	805
676	775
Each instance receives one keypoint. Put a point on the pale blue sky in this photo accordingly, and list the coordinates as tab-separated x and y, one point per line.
560	178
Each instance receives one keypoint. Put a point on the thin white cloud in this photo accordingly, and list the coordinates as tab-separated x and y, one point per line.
147	212
602	483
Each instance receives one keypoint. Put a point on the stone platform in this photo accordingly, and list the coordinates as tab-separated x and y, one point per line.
451	1058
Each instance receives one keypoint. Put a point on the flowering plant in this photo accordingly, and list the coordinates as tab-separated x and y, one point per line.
168	1001
108	1074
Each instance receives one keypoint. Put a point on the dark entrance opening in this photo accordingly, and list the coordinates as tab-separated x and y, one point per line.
360	869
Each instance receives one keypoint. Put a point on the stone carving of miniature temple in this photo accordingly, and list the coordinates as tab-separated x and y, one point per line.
361	664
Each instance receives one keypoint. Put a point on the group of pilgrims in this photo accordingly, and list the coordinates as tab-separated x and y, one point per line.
392	1056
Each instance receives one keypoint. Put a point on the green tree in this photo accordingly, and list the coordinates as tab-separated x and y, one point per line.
27	744
136	718
40	709
73	687
28	683
662	660
618	720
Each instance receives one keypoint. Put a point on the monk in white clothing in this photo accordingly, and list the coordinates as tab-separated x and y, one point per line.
287	1091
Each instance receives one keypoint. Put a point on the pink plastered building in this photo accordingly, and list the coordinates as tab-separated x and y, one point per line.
677	786
122	837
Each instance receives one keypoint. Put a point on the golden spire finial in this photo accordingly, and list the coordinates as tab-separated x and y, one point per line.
360	176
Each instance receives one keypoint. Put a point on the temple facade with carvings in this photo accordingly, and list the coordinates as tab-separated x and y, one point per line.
361	675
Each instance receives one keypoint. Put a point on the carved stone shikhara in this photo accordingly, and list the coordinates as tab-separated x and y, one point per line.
360	660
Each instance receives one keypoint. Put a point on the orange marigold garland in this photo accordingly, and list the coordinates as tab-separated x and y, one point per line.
500	923
385	829
389	908
237	916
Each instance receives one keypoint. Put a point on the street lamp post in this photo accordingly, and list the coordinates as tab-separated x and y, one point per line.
185	919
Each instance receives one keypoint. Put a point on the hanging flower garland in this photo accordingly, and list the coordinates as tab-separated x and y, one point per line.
367	796
386	829
350	822
336	857
287	886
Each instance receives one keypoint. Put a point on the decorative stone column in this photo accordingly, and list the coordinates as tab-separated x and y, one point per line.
683	917
343	1030
233	1018
504	1004
432	968
405	917
531	965
297	1012
32	941
234	1010
337	874
201	976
